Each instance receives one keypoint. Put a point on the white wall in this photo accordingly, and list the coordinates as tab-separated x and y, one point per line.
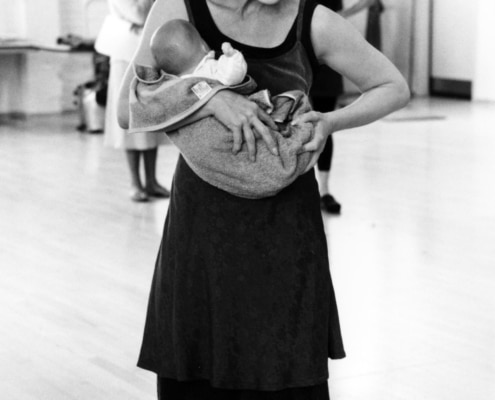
420	52
82	17
12	22
396	25
39	81
463	44
454	38
484	63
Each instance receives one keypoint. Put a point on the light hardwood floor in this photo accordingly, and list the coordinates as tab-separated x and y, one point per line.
412	258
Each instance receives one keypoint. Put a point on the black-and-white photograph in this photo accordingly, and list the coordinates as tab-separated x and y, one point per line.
247	200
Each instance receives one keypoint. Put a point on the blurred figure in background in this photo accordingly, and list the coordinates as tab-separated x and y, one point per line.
375	8
373	28
328	86
118	39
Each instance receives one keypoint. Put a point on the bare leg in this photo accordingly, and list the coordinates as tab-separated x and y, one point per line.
138	193
323	178
327	201
153	188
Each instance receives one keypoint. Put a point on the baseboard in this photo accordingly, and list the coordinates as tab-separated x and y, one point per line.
450	88
13	115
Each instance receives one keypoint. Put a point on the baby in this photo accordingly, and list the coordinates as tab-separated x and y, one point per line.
178	49
186	77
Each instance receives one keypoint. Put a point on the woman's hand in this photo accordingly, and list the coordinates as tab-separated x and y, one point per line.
322	128
245	119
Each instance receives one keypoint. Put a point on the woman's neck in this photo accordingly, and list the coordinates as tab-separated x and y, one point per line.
243	7
232	5
252	22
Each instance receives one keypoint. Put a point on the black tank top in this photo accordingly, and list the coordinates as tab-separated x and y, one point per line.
288	66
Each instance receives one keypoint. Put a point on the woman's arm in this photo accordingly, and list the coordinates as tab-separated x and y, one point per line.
356	8
161	12
340	46
242	117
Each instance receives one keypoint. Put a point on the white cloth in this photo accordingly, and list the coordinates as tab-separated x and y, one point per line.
119	38
114	135
229	70
121	30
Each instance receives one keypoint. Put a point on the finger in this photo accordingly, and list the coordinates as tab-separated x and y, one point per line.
312	162
311	116
317	143
266	135
237	135
312	145
250	141
267	120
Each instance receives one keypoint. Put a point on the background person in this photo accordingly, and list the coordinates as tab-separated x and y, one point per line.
328	86
118	39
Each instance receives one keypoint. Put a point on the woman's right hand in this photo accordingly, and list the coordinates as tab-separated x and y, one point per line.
245	119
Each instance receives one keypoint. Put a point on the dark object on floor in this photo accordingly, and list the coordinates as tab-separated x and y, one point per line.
76	42
159	192
329	204
91	96
91	113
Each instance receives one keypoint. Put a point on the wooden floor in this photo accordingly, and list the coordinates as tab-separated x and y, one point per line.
412	258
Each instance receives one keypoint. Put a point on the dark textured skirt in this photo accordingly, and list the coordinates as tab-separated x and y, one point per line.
169	389
241	295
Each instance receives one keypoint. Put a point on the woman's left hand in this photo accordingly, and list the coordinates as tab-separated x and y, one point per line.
323	127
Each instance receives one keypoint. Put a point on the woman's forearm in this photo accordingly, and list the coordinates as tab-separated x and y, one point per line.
371	106
203	112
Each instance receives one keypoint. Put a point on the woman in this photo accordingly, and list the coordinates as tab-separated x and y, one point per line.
242	304
118	39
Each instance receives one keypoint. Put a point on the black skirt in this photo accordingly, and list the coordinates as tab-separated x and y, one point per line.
241	297
169	389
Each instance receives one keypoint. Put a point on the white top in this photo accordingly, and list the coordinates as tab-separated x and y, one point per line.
121	30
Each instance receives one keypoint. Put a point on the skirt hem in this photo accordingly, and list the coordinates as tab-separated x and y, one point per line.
214	383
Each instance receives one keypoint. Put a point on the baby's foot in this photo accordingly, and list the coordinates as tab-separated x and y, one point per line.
227	49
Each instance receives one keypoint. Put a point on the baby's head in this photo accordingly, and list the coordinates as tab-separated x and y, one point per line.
177	47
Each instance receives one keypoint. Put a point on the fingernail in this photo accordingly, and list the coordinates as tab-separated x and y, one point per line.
275	151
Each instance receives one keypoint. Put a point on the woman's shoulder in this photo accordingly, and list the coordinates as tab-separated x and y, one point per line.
326	24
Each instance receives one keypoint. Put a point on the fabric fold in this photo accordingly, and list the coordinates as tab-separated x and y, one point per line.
160	102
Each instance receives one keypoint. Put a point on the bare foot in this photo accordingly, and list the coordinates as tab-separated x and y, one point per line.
156	190
139	195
